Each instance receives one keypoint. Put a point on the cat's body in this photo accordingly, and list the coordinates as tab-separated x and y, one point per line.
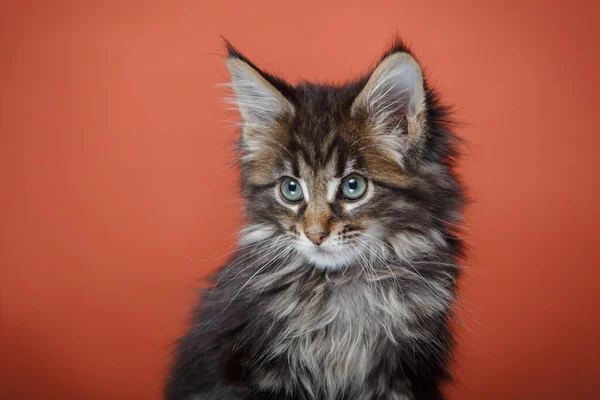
343	282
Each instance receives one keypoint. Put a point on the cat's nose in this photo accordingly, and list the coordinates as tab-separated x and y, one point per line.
317	237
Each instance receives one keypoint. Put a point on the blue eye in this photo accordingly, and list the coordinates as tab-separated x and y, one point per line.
291	190
353	187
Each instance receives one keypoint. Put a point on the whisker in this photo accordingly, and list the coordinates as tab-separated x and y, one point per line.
370	267
385	263
275	248
242	259
238	292
450	223
236	249
435	290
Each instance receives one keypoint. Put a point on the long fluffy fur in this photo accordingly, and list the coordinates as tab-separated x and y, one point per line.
277	325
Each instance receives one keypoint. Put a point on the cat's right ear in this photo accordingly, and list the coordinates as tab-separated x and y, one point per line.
260	104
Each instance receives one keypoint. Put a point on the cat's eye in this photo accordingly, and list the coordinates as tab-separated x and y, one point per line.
291	190
353	187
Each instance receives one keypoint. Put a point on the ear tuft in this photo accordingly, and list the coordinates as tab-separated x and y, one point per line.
232	52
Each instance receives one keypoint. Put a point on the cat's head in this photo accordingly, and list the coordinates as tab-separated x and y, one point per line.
342	171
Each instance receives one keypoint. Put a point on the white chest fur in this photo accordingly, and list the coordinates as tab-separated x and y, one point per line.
333	332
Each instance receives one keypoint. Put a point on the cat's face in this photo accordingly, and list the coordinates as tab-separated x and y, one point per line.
332	171
324	206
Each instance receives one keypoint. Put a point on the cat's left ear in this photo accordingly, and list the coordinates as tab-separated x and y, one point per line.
394	102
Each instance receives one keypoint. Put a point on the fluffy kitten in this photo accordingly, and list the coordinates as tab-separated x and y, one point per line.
342	285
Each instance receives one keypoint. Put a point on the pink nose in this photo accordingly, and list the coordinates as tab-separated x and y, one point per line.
316	237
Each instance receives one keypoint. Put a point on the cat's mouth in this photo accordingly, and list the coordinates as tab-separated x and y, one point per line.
328	256
323	249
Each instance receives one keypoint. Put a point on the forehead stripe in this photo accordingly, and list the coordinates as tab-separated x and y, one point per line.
341	164
331	149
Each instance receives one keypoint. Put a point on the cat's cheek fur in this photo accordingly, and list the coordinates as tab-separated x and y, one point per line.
255	233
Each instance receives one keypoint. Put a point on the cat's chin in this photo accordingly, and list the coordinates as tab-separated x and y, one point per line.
328	258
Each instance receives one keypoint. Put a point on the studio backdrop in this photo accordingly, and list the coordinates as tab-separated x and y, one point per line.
119	195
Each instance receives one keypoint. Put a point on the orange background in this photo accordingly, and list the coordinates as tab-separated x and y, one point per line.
114	151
